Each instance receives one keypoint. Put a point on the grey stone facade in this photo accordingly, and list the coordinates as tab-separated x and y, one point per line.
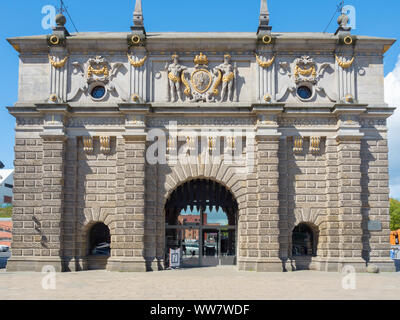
320	160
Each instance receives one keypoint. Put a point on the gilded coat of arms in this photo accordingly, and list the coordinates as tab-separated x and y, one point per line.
203	83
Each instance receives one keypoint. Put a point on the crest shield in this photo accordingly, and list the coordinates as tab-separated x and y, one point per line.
201	80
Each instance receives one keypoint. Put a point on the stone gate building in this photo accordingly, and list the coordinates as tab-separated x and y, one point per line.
264	150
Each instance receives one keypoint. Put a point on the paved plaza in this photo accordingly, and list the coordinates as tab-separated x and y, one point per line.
215	283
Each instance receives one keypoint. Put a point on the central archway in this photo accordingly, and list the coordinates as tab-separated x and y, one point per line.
201	223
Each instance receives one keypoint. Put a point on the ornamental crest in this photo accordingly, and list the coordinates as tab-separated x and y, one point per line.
304	77
96	72
203	83
201	80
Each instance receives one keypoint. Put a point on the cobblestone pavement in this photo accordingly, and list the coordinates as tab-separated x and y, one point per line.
202	283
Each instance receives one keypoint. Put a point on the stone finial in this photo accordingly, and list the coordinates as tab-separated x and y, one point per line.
61	20
138	14
60	32
264	13
263	26
138	26
343	21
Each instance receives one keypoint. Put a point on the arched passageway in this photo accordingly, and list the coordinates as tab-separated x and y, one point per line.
304	240
99	240
201	224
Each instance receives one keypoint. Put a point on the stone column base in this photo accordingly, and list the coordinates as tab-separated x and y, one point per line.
337	264
126	264
35	264
261	264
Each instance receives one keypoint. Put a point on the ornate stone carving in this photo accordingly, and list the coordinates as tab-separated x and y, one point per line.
315	144
99	121
97	71
135	120
297	144
21	121
136	64
105	145
344	64
175	72
267	63
211	143
202	84
229	76
195	121
305	73
87	144
58	64
306	122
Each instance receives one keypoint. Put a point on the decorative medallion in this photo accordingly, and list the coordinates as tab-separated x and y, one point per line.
201	80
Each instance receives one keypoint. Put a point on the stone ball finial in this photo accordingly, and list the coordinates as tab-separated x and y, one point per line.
61	20
343	20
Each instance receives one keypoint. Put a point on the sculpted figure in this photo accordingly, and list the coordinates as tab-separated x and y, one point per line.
228	76
174	79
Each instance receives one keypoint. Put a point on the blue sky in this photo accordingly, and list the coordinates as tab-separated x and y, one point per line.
23	17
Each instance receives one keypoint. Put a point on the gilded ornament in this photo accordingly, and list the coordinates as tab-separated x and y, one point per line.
265	64
136	64
343	64
105	145
100	71
267	39
58	64
187	90
305	72
297	144
267	98
53	97
173	78
201	59
88	144
315	144
348	40
135	97
349	98
135	39
54	40
228	78
217	83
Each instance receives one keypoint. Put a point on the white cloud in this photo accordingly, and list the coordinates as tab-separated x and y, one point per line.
392	97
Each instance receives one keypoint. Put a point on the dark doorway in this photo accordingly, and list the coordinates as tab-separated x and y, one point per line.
99	240
200	221
304	240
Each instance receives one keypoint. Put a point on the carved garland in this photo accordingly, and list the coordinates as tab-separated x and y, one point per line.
305	72
265	64
101	71
136	64
343	64
58	64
